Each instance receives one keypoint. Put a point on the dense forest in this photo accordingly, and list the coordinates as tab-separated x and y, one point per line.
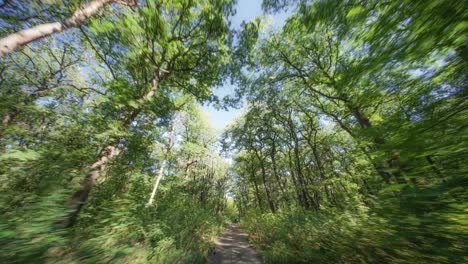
351	147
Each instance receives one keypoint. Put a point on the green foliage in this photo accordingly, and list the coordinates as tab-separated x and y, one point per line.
352	147
113	83
392	231
325	237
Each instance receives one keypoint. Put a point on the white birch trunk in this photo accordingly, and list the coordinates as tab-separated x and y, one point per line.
15	40
163	164
155	188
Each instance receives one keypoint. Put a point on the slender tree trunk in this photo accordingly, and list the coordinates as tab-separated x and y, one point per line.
108	152
187	168
275	170
267	190
16	40
158	179
300	175
163	164
301	200
257	191
297	163
244	196
79	197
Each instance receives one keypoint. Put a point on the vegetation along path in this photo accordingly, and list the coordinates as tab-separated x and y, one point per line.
232	247
132	131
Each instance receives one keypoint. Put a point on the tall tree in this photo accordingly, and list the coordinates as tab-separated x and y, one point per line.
187	39
23	37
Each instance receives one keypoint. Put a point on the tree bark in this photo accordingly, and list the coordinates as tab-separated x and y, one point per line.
271	204
163	165
79	197
275	170
160	174
299	170
257	191
300	195
108	152
23	37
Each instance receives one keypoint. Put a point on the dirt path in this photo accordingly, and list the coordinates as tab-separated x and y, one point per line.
232	248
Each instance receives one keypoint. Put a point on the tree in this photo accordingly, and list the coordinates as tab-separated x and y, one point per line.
173	47
23	37
169	145
104	100
350	91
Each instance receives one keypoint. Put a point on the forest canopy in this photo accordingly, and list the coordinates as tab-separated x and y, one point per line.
351	146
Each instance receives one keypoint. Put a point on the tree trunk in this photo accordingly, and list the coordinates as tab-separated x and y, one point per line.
79	197
301	200
108	152
299	170
267	190
187	168
163	165
275	170
160	174
257	191
16	40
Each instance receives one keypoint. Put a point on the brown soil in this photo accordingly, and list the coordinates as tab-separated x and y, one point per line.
232	247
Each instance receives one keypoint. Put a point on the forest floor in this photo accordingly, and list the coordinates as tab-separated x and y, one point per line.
232	247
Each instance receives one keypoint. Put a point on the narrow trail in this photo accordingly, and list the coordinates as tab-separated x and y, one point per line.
232	247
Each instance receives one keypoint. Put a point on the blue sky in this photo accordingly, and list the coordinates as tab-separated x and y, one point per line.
247	10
